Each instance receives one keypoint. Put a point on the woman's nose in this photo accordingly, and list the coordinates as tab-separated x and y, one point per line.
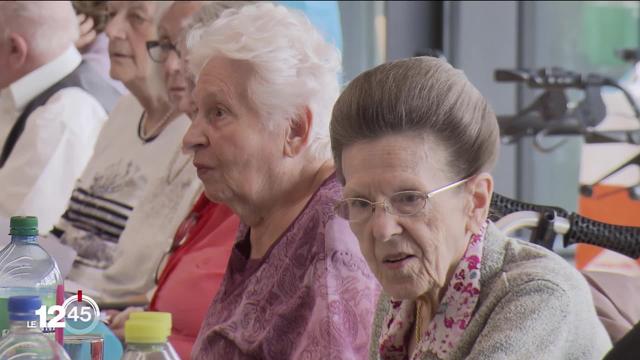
194	137
384	225
172	64
115	27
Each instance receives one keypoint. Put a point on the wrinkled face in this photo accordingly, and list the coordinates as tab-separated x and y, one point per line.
410	255
130	26
170	31
234	152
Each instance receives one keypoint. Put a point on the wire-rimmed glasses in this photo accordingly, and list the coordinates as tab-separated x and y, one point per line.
403	203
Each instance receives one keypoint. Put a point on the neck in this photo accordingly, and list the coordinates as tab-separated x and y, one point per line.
427	304
155	107
152	104
285	205
29	66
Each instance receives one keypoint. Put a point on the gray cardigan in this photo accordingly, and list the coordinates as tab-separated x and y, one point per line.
532	305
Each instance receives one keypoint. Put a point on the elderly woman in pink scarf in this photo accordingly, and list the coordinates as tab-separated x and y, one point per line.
414	142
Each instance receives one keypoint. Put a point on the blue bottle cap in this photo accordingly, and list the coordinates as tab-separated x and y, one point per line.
23	308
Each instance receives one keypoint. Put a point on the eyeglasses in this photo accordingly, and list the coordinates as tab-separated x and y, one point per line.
179	239
403	203
159	50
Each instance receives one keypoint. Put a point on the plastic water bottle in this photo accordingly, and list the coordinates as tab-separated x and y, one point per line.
146	336
25	341
27	269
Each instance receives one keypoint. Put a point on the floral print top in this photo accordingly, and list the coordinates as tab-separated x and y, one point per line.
451	319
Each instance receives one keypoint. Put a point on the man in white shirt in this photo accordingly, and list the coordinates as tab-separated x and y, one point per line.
52	108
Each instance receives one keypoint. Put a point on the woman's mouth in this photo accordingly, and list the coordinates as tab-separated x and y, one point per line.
201	169
397	261
119	55
177	89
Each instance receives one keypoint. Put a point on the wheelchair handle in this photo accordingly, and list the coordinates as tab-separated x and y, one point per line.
574	228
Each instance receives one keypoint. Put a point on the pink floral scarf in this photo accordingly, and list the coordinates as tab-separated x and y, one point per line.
451	319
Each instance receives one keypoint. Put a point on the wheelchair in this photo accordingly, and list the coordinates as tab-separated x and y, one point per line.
547	222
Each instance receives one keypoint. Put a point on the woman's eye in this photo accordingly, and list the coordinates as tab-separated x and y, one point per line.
407	198
216	114
358	204
137	18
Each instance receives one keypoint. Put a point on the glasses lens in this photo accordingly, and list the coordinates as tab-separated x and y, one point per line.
407	202
342	210
156	54
354	209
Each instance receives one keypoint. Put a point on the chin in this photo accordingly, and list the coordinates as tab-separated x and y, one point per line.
408	289
401	293
175	100
118	73
212	195
217	195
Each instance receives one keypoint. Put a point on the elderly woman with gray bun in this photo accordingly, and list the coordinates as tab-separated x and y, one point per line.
413	142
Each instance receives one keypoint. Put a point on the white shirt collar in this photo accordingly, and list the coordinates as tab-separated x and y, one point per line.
26	88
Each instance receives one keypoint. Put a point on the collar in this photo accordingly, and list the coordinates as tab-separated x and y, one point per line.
452	317
25	89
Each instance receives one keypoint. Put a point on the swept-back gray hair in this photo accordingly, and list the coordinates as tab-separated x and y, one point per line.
419	96
47	26
293	66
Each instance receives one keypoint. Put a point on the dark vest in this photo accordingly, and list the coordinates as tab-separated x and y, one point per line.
84	77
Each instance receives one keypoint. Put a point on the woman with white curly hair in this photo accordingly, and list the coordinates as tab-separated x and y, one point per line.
296	286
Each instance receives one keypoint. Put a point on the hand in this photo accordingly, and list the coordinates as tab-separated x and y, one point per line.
117	319
87	33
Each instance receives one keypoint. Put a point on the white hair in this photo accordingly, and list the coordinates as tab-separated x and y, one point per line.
293	65
212	10
47	26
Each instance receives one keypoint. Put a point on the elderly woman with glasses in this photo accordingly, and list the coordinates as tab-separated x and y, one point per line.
197	258
136	146
168	195
296	286
413	142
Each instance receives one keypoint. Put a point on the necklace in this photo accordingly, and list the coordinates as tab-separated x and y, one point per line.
172	177
418	326
154	132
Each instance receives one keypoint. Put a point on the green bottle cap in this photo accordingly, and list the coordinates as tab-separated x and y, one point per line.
24	226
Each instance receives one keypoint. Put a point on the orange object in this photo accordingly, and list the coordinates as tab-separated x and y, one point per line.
610	204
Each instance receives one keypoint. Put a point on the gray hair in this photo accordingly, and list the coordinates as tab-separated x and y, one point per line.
48	26
212	10
421	96
293	66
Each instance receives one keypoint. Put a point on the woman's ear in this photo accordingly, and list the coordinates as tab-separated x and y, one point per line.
18	51
480	187
297	132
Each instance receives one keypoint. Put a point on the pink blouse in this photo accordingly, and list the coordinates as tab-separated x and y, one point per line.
312	295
